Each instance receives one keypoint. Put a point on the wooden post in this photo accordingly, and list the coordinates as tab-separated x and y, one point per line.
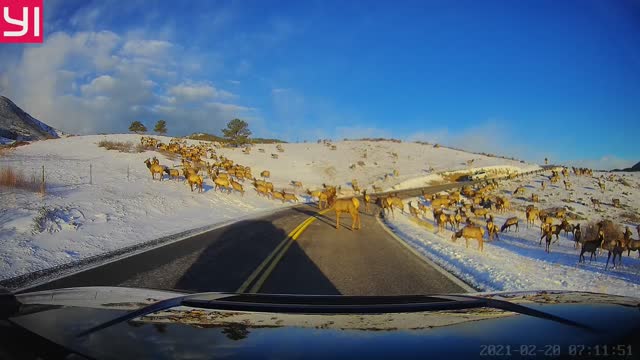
42	186
90	174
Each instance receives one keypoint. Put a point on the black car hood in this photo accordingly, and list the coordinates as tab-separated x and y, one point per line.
194	332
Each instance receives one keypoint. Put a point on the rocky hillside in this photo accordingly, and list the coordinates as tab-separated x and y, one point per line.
16	124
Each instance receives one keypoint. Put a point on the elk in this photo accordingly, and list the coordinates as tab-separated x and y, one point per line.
595	202
492	229
221	183
479	212
615	247
548	236
470	232
535	198
296	184
633	245
616	202
323	200
154	168
277	195
413	211
195	180
591	246
531	216
290	197
237	187
451	220
367	200
261	190
441	219
437	203
577	235
172	173
512	221
394	201
348	206
265	174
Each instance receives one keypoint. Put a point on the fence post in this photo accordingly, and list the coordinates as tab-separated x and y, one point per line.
90	174
42	186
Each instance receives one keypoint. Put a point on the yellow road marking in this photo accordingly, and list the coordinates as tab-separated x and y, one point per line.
264	263
276	255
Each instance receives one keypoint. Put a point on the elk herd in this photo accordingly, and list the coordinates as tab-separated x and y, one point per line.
468	212
475	207
202	160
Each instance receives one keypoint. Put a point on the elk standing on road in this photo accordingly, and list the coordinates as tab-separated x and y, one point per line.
348	206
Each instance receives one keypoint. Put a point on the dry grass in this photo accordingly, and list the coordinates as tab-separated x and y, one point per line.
16	179
122	146
611	230
455	177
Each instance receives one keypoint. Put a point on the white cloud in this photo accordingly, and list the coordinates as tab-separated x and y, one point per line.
100	85
91	82
197	92
192	92
147	48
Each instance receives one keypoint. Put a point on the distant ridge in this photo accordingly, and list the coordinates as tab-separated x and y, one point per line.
17	125
635	167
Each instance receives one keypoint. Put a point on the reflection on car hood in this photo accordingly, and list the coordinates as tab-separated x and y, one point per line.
61	315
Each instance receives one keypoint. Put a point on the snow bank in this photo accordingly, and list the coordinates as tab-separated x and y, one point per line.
517	262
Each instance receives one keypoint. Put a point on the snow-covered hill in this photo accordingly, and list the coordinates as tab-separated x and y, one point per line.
16	124
99	200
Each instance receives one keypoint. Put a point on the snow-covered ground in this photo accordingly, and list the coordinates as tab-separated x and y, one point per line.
92	206
516	261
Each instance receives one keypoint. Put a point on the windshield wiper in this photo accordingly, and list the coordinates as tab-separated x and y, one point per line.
333	305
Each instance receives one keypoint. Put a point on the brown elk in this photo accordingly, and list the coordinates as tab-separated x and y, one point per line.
237	187
348	206
470	232
290	197
367	200
195	180
277	195
221	183
492	229
441	220
512	221
154	168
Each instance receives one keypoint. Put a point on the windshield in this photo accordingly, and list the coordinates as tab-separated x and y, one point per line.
320	148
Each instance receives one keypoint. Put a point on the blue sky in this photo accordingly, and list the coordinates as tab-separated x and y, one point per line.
523	78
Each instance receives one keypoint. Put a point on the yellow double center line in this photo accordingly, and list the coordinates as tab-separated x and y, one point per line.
274	257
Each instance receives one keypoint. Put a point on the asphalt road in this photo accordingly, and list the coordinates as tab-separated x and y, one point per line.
260	256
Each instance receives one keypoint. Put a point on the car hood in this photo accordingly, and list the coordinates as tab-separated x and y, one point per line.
196	332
